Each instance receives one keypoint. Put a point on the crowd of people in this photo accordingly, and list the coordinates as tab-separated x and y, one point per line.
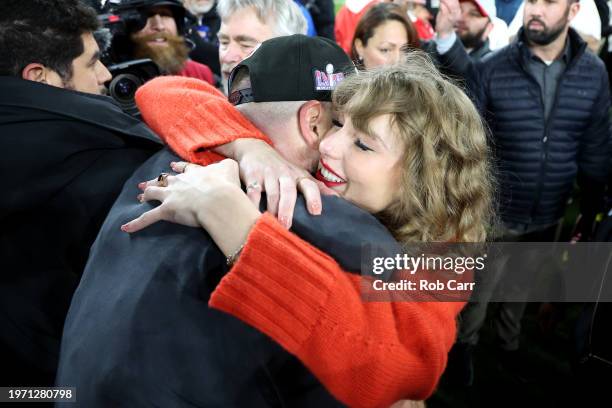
207	251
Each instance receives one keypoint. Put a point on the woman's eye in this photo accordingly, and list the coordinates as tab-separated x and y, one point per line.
363	147
384	50
337	123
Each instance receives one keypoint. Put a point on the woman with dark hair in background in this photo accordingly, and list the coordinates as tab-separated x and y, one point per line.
382	35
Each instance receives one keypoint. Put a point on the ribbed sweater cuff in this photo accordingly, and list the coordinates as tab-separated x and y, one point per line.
284	298
192	117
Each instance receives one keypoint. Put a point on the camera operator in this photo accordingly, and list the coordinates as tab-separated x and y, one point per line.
66	153
158	35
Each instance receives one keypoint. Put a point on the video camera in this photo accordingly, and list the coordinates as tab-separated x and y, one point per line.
127	78
121	18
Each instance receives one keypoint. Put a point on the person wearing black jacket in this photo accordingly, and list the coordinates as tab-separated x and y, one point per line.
323	16
140	332
201	29
546	100
474	28
66	156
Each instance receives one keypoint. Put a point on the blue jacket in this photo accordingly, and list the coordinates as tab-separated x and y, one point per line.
538	161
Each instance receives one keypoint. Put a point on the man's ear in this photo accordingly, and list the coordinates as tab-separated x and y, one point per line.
310	115
35	72
574	9
487	31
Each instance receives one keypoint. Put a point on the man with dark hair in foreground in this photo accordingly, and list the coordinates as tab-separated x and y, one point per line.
67	152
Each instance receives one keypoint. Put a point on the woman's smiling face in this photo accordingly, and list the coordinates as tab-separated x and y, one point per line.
363	167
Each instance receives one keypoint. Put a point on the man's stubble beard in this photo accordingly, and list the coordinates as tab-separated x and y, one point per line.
473	41
170	58
69	85
546	35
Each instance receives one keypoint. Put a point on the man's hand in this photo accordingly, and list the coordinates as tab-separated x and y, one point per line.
447	18
263	169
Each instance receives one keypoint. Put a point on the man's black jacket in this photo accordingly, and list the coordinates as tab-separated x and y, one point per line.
139	332
66	156
323	16
205	50
479	53
538	160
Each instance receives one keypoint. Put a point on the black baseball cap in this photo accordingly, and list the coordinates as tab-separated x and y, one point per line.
292	68
143	6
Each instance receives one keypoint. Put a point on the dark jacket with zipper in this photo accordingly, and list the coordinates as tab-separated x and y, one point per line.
205	49
479	53
538	160
66	156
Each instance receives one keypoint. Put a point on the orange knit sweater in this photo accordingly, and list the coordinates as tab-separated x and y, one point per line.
367	354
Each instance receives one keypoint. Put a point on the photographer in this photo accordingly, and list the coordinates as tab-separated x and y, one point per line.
67	152
157	33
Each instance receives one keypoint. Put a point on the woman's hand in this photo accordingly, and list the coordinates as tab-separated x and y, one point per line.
209	197
263	169
186	195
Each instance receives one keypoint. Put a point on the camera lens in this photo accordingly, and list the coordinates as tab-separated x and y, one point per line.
123	87
127	78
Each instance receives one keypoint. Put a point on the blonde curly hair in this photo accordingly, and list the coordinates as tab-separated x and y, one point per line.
446	189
